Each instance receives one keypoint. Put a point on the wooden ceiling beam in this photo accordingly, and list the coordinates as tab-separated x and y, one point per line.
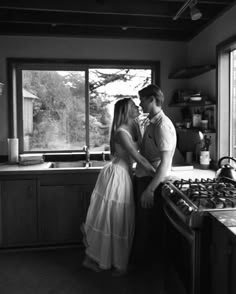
211	2
96	32
167	13
121	7
149	19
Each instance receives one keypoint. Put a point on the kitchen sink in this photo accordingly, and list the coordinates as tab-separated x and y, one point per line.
69	164
97	163
78	164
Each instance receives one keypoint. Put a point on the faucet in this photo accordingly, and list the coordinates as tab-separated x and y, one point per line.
87	154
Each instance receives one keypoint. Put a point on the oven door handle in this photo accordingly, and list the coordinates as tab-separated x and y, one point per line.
188	235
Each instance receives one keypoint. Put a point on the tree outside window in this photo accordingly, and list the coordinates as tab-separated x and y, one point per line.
67	106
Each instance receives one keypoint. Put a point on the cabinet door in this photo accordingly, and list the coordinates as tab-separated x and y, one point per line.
232	265
19	219
220	257
62	209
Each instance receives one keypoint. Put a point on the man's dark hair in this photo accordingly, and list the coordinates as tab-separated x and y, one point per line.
152	90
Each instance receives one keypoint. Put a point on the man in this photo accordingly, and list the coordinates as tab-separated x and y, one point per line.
158	146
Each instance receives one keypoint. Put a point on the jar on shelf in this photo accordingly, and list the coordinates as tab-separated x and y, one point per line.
204	124
197	117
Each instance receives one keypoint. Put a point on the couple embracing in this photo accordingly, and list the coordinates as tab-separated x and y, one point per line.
122	219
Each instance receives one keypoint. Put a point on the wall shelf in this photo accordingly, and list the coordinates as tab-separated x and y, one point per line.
205	132
192	104
208	108
190	72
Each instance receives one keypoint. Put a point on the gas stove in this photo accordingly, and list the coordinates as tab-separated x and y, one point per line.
192	199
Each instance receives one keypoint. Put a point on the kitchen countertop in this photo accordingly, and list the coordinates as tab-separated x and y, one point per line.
232	229
196	173
42	168
6	168
18	167
227	218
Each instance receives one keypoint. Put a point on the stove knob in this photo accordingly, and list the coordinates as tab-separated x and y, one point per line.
167	190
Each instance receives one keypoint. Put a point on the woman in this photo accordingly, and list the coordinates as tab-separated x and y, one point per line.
109	226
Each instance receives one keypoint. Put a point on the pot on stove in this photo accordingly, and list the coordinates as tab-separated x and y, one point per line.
226	170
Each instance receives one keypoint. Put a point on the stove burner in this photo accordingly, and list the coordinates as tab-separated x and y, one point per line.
207	193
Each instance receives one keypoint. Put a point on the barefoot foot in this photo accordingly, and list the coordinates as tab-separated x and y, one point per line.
90	264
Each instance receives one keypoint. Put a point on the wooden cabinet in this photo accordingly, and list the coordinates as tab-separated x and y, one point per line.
18	212
44	209
62	209
62	206
223	260
232	265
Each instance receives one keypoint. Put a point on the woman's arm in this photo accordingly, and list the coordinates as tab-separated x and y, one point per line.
127	143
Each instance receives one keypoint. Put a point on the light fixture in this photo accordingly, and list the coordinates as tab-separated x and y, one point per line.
194	11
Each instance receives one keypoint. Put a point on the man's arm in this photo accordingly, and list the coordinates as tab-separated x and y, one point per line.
147	198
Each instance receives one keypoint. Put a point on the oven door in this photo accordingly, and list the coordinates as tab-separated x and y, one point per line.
181	243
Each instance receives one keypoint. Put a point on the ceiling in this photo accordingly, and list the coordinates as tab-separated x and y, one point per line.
132	19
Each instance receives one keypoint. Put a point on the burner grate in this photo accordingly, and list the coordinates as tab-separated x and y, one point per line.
209	193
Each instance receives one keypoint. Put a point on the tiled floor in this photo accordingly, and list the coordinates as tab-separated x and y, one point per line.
60	271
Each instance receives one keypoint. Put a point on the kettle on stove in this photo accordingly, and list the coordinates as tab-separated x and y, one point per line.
226	170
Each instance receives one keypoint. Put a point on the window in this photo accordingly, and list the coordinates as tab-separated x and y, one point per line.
233	101
63	106
227	98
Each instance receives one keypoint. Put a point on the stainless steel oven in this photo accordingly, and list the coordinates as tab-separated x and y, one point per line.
186	204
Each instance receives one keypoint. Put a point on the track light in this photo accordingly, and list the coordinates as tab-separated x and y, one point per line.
195	13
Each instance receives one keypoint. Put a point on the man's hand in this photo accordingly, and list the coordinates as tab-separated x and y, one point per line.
147	199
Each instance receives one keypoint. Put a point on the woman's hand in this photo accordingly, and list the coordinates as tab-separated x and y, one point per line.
147	199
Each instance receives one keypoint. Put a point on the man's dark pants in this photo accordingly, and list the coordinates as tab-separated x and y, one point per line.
148	240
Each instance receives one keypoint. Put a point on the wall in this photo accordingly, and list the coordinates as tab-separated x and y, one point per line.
202	49
170	54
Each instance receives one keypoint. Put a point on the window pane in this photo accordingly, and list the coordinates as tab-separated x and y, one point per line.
53	110
106	86
63	106
233	102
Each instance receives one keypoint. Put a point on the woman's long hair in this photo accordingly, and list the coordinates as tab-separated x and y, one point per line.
121	116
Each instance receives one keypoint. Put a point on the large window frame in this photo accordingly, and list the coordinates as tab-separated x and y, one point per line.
16	65
224	129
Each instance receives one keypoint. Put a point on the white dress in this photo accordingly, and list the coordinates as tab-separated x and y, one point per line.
109	225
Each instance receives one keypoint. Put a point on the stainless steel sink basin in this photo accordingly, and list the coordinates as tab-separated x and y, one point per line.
97	163
78	164
69	164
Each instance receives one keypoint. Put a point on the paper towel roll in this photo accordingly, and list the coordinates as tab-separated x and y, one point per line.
13	150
